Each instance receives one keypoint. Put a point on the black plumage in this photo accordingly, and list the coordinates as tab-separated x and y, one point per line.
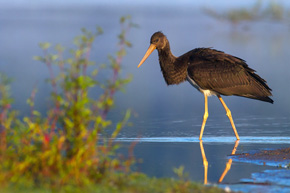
225	74
210	71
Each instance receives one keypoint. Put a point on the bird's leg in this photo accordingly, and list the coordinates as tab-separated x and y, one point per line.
229	114
204	116
205	162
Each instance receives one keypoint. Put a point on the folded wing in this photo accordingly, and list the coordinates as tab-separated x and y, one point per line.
225	74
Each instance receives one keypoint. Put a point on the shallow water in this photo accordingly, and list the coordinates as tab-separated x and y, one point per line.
167	120
176	125
244	140
178	144
157	156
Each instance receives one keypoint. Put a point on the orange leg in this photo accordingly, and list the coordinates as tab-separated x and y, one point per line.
205	116
205	162
229	114
229	163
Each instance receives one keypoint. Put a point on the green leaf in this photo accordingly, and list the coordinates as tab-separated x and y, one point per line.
77	40
179	171
59	48
128	43
30	102
122	19
36	113
99	31
78	53
121	52
95	72
110	101
39	58
54	57
44	45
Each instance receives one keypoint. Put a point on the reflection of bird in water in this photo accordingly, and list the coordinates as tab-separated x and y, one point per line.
210	71
205	162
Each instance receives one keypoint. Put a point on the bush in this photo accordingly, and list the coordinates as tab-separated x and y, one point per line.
67	146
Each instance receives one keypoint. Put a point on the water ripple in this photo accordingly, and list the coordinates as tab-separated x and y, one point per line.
244	139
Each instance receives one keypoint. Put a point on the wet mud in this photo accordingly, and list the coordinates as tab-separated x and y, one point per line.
266	157
267	181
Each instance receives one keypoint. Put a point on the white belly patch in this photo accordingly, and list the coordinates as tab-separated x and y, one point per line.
205	92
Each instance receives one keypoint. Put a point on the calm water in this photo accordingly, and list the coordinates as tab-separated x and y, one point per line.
164	144
167	118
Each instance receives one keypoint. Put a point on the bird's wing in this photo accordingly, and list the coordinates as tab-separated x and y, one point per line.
224	74
212	69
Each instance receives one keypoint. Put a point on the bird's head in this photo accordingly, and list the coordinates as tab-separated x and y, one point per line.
158	41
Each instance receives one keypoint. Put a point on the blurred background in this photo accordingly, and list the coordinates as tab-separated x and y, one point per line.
256	31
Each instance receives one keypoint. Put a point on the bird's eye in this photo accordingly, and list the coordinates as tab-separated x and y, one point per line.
156	40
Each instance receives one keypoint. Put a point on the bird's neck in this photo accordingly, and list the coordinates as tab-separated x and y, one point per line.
174	72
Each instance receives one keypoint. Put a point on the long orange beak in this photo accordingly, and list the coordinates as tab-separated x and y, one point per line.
151	48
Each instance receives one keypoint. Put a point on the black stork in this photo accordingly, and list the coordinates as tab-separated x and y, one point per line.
210	71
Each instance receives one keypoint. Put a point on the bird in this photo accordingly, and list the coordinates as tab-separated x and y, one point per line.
210	71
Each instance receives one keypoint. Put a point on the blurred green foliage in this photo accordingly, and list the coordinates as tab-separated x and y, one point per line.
134	183
67	145
259	11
